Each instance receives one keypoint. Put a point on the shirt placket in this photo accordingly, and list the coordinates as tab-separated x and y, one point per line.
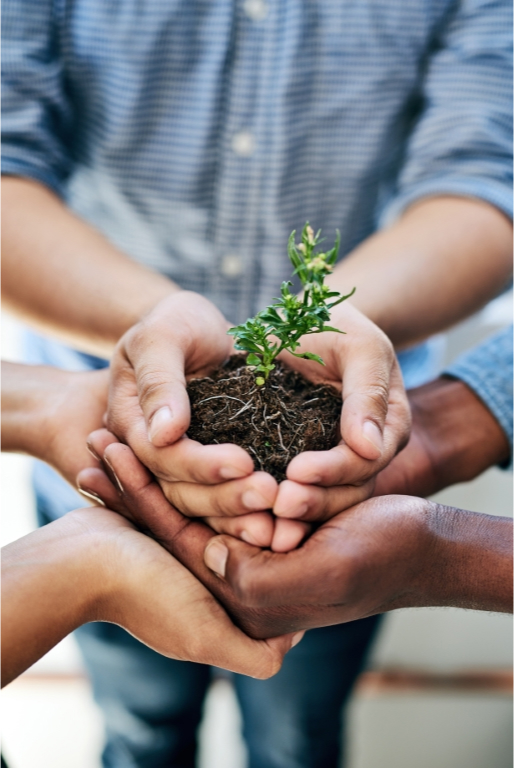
241	163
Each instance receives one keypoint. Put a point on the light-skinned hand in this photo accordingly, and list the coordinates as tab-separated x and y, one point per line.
92	565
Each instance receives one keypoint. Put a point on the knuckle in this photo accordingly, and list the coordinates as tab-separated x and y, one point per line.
246	587
150	383
268	667
218	503
176	498
378	394
136	336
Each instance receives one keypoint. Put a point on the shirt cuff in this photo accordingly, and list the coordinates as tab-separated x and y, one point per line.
12	166
492	192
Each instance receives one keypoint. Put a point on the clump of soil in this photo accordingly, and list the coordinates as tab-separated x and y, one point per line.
287	415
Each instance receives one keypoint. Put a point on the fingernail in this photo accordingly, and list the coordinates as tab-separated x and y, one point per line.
161	419
90	496
231	473
372	433
106	461
254	500
249	538
215	557
296	638
92	451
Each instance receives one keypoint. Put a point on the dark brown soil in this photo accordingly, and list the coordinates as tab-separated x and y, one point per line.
273	422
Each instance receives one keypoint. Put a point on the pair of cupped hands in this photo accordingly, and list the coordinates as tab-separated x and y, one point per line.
313	550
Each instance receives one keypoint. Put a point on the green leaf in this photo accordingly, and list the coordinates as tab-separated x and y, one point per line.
291	250
309	356
329	328
253	360
342	298
333	253
248	346
270	315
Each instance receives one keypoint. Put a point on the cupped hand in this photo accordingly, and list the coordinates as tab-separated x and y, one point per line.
69	405
141	500
375	419
371	558
183	337
259	528
155	598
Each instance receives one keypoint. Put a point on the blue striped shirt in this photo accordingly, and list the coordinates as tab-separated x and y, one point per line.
197	134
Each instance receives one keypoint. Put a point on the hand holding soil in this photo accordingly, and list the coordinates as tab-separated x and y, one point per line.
288	422
140	500
329	463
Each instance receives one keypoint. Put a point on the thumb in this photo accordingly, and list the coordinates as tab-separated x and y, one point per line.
161	386
366	384
257	658
258	577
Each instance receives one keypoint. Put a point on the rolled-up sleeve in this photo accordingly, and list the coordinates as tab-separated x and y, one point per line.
461	143
487	370
35	112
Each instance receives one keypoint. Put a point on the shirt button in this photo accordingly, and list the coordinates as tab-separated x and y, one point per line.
231	265
243	143
256	10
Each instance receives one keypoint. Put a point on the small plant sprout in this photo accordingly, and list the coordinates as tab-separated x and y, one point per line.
282	325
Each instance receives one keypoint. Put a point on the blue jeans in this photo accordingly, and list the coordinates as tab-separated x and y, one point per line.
152	705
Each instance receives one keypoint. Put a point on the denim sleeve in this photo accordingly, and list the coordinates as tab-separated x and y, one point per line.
487	370
461	143
35	113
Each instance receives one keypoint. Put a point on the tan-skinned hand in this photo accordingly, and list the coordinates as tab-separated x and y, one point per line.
93	565
186	336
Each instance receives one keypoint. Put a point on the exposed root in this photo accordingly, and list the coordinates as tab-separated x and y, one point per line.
302	415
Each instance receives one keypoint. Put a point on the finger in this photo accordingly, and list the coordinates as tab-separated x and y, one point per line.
158	367
256	528
398	422
260	578
260	659
186	459
288	534
314	503
94	484
191	462
338	466
366	383
98	441
186	540
254	493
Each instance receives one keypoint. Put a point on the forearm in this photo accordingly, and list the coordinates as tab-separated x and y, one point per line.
51	584
62	276
441	261
469	561
21	406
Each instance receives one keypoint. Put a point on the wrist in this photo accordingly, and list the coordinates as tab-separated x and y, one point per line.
468	560
93	562
51	583
23	406
460	436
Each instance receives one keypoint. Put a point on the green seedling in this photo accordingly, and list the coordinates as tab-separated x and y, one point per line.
282	325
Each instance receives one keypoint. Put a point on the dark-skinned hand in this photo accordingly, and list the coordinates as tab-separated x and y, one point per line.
142	501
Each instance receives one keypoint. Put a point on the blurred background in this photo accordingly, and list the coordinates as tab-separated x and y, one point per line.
438	691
